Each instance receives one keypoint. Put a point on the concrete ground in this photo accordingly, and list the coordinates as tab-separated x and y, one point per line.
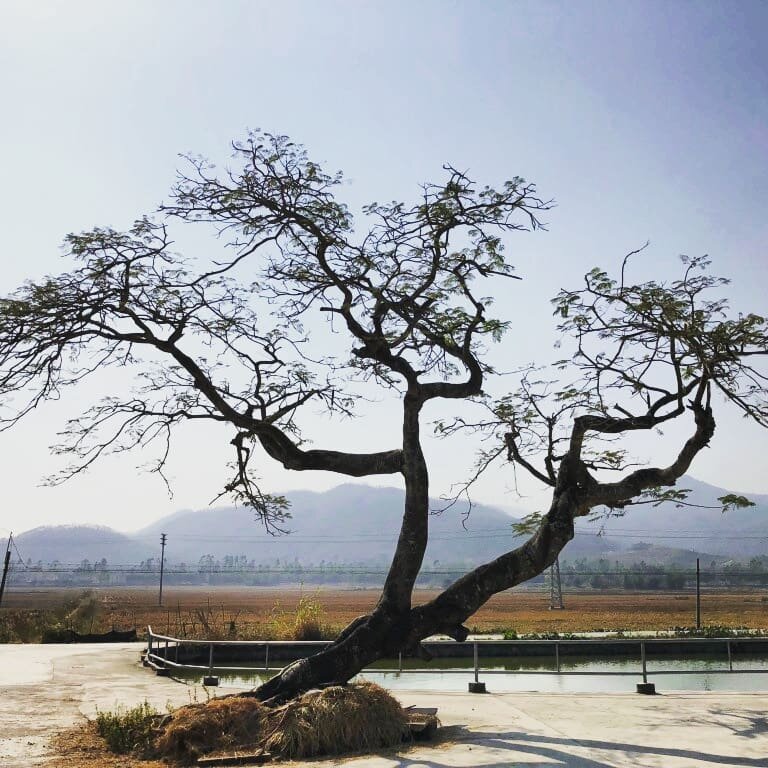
44	688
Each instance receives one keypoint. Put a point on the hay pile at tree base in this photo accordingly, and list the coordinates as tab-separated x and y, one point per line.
221	724
338	719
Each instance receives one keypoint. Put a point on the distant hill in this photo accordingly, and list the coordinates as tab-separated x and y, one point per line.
355	523
349	523
659	555
739	533
75	543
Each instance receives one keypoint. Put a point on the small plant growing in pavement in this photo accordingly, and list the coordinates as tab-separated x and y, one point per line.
128	729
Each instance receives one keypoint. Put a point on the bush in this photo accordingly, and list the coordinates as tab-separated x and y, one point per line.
305	624
84	612
511	634
128	730
25	626
716	631
56	634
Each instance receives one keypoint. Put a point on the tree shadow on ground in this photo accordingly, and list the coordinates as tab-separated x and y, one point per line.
563	752
749	725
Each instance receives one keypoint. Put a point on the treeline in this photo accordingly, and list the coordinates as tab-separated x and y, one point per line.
606	574
233	570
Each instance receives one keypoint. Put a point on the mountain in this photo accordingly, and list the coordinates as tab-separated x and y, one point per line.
349	523
359	524
659	555
739	533
75	543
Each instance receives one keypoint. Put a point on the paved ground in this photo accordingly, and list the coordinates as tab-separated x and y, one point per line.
46	688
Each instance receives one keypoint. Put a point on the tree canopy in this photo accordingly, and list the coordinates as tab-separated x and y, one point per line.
234	339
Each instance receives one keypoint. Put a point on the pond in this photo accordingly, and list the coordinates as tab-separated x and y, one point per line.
578	675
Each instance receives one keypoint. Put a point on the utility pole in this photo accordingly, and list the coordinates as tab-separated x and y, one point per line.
163	538
6	566
698	595
555	587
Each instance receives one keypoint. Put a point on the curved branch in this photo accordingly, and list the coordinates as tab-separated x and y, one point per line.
616	494
281	448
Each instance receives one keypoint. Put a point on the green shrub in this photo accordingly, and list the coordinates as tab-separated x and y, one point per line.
128	730
306	623
511	634
717	630
24	626
56	634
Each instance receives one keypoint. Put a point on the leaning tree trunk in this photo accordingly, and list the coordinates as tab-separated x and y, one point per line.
394	626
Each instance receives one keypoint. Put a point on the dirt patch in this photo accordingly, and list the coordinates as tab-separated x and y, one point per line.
248	612
82	747
339	720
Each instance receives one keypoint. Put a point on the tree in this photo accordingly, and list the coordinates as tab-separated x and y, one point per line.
225	341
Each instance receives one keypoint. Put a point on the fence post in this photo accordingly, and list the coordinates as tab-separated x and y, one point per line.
557	656
698	595
400	661
163	671
210	679
730	659
476	686
266	656
645	686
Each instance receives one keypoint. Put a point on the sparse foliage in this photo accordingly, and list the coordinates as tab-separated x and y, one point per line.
235	340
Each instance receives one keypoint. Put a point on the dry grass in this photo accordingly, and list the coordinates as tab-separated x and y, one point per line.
218	725
337	720
250	612
327	722
82	747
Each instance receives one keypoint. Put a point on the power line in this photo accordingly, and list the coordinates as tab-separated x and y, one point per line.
18	554
476	533
163	538
224	570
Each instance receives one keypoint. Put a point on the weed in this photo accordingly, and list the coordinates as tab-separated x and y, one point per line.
511	634
717	630
305	623
128	730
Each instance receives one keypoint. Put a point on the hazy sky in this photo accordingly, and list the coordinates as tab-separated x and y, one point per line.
644	120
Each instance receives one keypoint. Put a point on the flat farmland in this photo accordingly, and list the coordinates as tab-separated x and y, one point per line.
265	612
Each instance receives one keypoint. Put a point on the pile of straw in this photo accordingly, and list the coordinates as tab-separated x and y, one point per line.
221	724
323	722
336	720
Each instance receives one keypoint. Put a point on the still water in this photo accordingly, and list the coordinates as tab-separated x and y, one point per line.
516	674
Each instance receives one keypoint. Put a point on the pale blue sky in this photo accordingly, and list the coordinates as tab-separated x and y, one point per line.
644	120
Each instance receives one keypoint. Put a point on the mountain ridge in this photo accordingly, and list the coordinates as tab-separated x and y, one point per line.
356	523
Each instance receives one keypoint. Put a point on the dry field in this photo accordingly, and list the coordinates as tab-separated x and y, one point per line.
252	612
